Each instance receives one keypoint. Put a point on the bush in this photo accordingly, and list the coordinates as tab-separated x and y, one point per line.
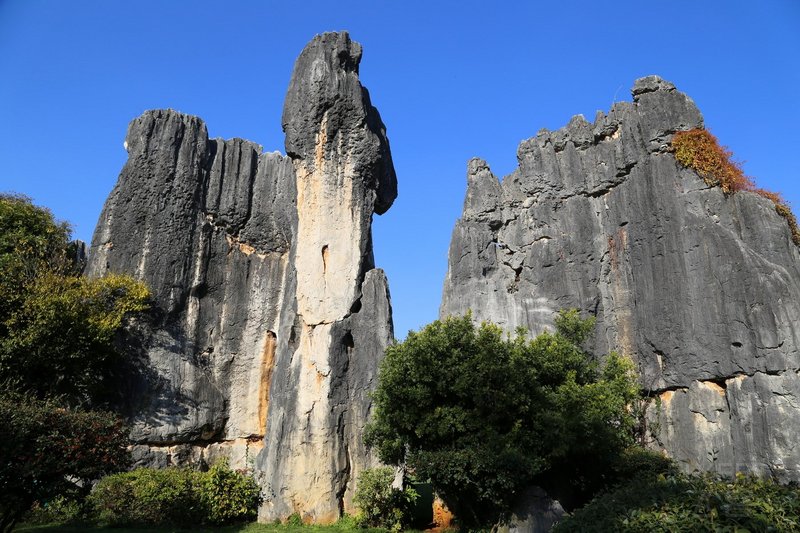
380	504
482	414
175	496
60	340
641	462
148	496
58	510
680	502
229	496
49	450
699	150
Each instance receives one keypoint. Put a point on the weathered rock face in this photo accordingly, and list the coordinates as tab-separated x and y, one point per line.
271	318
535	512
342	320
702	290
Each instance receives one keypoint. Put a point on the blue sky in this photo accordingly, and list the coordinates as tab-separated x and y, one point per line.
452	80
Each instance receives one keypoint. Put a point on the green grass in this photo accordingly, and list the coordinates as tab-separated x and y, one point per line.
244	528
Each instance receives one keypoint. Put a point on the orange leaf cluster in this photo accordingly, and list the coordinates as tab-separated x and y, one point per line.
699	150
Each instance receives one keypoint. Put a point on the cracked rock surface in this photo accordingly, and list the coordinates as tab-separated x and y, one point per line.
270	317
700	289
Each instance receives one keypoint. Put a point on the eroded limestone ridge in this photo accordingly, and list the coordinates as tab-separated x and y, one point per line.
270	317
700	289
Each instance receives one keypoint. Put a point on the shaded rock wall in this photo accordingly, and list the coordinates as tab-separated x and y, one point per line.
270	317
702	290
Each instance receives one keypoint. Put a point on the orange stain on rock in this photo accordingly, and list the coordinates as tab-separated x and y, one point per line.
267	364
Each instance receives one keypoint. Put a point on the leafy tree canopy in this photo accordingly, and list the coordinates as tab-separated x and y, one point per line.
30	241
483	414
56	328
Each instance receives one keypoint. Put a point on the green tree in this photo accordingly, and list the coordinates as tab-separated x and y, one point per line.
31	241
49	450
57	333
483	414
60	340
57	329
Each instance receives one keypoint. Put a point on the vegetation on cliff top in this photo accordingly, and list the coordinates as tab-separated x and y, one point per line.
699	150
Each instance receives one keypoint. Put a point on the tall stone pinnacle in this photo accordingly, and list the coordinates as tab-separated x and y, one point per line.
270	318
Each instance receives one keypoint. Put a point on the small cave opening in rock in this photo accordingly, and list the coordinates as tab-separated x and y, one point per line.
199	290
348	343
324	259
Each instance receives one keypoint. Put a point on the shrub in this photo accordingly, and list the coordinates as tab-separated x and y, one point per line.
294	520
482	414
380	504
49	450
229	496
148	496
680	502
78	366
699	150
783	209
58	510
175	496
641	462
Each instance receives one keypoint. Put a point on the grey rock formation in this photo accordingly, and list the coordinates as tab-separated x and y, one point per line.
700	289
270	317
534	512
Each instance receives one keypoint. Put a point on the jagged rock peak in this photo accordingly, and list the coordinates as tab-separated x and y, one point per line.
700	289
162	122
344	174
650	84
483	190
326	105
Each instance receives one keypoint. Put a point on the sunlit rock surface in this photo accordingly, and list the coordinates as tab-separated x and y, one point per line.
270	316
701	290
